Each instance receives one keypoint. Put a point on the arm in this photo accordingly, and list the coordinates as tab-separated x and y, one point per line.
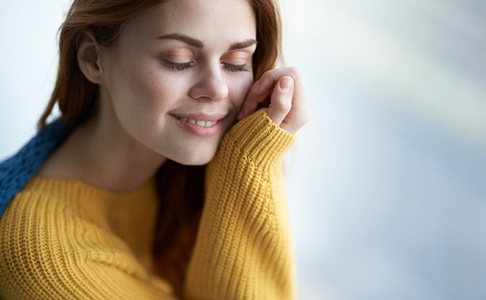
244	250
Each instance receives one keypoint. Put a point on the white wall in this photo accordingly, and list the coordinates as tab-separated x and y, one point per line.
28	65
387	182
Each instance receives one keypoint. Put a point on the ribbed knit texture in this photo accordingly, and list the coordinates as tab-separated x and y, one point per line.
16	171
244	249
63	239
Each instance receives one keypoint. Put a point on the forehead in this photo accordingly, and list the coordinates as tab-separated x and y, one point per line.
203	19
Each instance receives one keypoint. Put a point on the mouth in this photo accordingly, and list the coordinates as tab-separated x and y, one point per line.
201	123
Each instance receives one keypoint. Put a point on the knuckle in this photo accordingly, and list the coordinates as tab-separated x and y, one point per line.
266	76
282	107
294	73
274	74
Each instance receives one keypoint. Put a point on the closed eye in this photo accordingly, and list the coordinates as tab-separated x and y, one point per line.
236	68
177	66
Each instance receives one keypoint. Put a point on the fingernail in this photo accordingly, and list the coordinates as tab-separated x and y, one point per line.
286	83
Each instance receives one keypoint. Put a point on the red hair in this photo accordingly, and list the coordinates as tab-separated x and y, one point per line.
180	188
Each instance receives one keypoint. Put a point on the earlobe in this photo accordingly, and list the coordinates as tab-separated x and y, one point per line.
87	56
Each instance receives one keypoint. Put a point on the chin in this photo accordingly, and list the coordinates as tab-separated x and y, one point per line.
195	159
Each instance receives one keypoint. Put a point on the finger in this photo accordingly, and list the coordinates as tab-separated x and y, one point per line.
299	114
297	117
281	100
257	94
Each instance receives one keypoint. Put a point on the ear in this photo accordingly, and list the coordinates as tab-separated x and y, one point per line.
88	55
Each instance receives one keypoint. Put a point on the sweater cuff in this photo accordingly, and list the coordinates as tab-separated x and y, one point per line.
260	139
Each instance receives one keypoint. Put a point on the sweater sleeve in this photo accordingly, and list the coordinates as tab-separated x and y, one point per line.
243	249
49	251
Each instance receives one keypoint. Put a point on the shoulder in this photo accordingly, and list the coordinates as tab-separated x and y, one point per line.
43	204
48	241
16	171
53	211
38	219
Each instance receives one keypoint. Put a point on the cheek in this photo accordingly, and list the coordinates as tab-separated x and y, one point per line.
239	90
146	88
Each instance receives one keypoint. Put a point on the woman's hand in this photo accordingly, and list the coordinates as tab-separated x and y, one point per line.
283	89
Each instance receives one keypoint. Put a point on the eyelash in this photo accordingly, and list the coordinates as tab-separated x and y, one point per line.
187	65
177	66
236	68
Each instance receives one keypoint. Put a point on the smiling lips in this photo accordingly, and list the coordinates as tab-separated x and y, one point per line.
200	124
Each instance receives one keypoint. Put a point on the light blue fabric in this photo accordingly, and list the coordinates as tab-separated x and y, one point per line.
16	171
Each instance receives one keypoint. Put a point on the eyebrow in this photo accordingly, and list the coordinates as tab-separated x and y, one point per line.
183	38
199	44
244	44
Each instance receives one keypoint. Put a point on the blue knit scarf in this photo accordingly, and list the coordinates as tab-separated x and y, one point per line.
16	171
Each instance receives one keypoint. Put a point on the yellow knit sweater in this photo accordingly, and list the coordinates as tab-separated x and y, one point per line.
64	239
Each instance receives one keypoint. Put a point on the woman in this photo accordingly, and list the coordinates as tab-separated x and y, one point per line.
113	201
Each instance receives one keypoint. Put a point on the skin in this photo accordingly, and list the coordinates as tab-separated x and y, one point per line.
162	76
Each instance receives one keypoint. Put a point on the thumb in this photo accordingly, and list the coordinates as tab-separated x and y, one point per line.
281	100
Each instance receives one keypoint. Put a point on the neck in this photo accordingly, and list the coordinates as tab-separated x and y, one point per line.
99	152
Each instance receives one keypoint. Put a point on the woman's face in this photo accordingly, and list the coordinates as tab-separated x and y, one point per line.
178	74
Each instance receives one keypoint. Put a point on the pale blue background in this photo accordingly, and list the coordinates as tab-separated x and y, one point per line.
387	183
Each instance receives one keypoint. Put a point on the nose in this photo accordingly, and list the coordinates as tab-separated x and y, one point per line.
210	85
